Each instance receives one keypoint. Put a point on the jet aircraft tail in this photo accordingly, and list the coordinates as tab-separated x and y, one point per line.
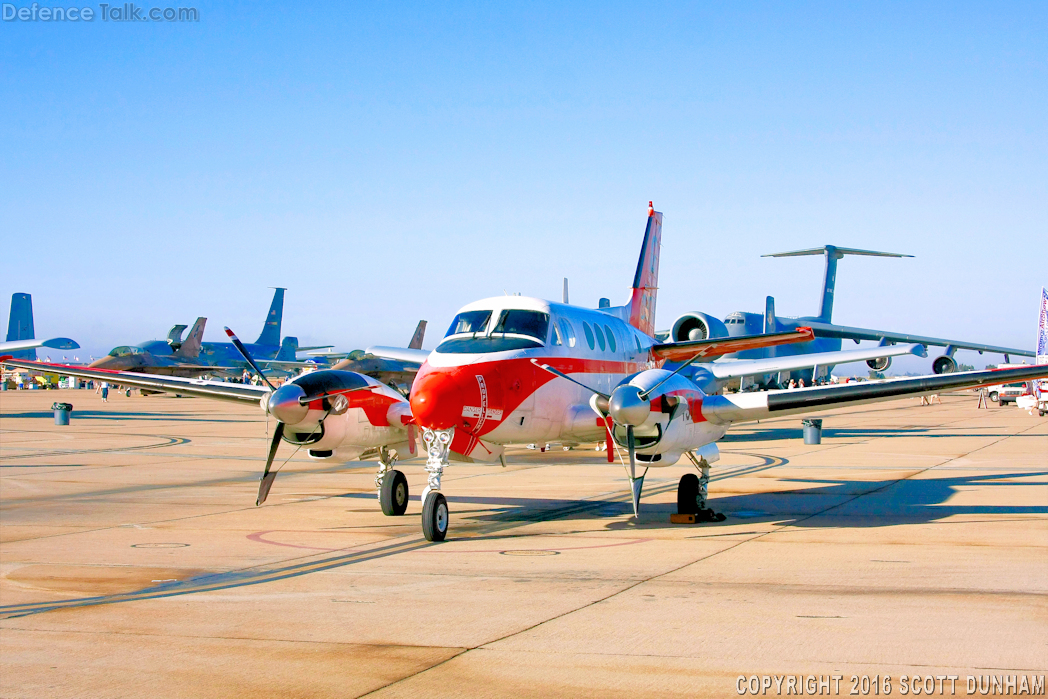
271	329
190	348
20	324
646	281
833	253
418	337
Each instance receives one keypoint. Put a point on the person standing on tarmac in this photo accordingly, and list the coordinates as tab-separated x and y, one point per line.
105	391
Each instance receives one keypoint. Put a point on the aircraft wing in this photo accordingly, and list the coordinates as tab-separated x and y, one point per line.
400	354
686	351
847	333
239	393
314	347
729	369
60	343
743	407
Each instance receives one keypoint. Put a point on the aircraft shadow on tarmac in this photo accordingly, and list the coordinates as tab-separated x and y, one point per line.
827	503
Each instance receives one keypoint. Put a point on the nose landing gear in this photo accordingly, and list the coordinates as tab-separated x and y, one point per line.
434	504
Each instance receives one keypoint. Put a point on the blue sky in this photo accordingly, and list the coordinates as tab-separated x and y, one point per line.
391	162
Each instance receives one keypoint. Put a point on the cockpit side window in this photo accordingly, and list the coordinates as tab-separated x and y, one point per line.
555	337
529	323
568	330
469	322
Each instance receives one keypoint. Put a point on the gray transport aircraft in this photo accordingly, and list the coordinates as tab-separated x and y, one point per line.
828	335
21	335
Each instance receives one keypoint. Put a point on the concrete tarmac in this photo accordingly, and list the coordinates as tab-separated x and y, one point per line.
133	562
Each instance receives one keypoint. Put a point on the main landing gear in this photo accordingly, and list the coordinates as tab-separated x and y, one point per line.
691	493
434	504
392	485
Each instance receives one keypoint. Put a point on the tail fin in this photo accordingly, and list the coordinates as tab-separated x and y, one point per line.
191	345
769	315
288	350
271	329
420	334
646	280
20	324
833	253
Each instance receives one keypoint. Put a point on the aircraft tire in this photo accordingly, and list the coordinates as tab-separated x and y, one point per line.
393	495
688	494
435	517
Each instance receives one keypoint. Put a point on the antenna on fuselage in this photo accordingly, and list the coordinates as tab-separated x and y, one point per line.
565	291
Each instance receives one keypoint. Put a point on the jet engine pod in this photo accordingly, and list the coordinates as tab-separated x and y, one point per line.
944	365
697	326
879	364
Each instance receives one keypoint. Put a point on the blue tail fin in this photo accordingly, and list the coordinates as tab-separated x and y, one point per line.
20	325
271	330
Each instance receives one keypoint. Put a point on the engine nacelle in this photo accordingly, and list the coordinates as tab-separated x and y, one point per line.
697	326
879	364
944	365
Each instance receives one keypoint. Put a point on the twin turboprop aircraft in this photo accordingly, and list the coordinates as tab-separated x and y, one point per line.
513	370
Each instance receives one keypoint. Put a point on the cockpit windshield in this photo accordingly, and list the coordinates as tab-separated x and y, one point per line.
469	322
124	351
531	323
515	330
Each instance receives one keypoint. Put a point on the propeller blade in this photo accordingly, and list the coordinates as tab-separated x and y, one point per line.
247	355
636	484
267	478
562	375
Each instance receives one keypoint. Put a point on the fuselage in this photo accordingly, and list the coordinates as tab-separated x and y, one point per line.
484	380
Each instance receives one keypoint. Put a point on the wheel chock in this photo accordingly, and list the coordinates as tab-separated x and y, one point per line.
682	519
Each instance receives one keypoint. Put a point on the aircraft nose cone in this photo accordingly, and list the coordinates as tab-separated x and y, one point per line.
437	400
284	404
626	407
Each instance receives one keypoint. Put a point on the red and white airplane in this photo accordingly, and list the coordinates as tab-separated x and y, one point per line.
514	370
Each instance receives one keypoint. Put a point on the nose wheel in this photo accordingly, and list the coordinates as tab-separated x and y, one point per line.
435	517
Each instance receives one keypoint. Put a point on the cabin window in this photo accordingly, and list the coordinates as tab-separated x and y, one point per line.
600	336
568	330
589	334
529	323
611	337
469	322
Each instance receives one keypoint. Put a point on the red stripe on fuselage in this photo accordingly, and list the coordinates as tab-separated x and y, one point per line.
440	395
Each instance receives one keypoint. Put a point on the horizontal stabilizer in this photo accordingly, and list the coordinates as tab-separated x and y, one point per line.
400	354
733	369
841	251
686	351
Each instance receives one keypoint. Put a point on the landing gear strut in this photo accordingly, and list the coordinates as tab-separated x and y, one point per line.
392	485
434	504
692	491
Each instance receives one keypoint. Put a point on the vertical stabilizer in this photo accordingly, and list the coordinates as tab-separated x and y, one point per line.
646	280
419	336
769	315
190	348
271	330
829	278
20	324
288	350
